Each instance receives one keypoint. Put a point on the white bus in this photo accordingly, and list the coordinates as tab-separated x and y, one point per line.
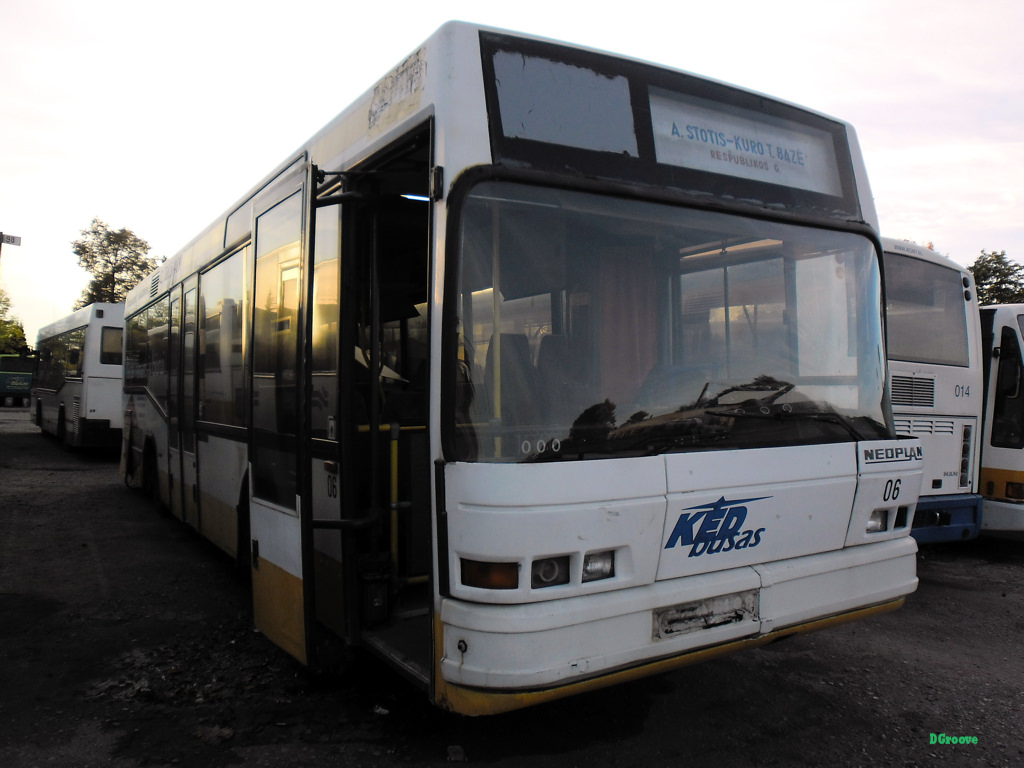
536	370
935	369
1002	465
76	391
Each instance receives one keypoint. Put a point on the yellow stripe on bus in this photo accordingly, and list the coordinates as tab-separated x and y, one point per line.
471	701
994	481
278	607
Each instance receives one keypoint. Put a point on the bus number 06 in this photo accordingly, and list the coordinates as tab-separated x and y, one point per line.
892	490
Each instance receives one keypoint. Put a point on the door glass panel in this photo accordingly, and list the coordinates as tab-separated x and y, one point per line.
1008	410
326	307
174	368
275	351
188	369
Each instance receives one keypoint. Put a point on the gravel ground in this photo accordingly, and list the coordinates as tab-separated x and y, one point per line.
127	641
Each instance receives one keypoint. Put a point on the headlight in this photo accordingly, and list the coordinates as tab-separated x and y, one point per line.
599	565
549	572
879	521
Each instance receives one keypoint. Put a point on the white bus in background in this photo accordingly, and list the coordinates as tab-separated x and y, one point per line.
936	383
536	370
76	391
1002	465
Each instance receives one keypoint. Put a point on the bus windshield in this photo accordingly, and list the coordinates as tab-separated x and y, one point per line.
594	326
925	312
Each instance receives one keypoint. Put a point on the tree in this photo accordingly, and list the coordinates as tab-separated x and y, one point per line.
117	259
12	332
997	279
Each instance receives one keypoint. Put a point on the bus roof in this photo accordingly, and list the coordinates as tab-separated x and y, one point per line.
908	248
403	97
111	314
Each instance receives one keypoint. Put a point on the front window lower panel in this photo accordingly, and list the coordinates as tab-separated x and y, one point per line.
591	326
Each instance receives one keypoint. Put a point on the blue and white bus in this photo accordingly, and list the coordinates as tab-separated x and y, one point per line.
536	370
935	365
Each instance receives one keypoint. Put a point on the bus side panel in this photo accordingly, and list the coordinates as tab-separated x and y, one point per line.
47	408
222	464
104	400
97	413
1001	516
277	594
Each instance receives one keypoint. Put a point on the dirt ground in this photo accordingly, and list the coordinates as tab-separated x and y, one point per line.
125	640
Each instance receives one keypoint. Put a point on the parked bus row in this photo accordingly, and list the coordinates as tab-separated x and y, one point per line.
530	398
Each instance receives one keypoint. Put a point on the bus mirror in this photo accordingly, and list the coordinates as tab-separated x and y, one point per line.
73	356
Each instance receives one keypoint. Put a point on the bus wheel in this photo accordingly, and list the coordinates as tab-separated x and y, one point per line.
62	430
150	480
243	551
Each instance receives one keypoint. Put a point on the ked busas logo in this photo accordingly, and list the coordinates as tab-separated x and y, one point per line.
719	531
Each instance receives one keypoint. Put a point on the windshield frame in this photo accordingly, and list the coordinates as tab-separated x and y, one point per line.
450	342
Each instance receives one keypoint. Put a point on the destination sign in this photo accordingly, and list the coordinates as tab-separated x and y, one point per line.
691	132
10	239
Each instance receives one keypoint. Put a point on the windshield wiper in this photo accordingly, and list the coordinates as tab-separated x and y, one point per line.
787	412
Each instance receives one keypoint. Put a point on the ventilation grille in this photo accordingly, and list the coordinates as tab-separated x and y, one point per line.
914	392
154	286
924	426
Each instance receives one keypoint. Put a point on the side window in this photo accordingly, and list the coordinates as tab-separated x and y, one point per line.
110	346
1008	410
136	350
75	361
156	345
221	309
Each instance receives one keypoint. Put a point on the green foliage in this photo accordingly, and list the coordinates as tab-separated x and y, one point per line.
998	279
12	332
117	259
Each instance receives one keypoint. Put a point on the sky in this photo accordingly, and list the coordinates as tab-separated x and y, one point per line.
158	116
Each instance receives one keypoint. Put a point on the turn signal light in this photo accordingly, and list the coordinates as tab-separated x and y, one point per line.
482	575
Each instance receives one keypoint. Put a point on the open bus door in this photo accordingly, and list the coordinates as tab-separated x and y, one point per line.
278	546
340	472
369	466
